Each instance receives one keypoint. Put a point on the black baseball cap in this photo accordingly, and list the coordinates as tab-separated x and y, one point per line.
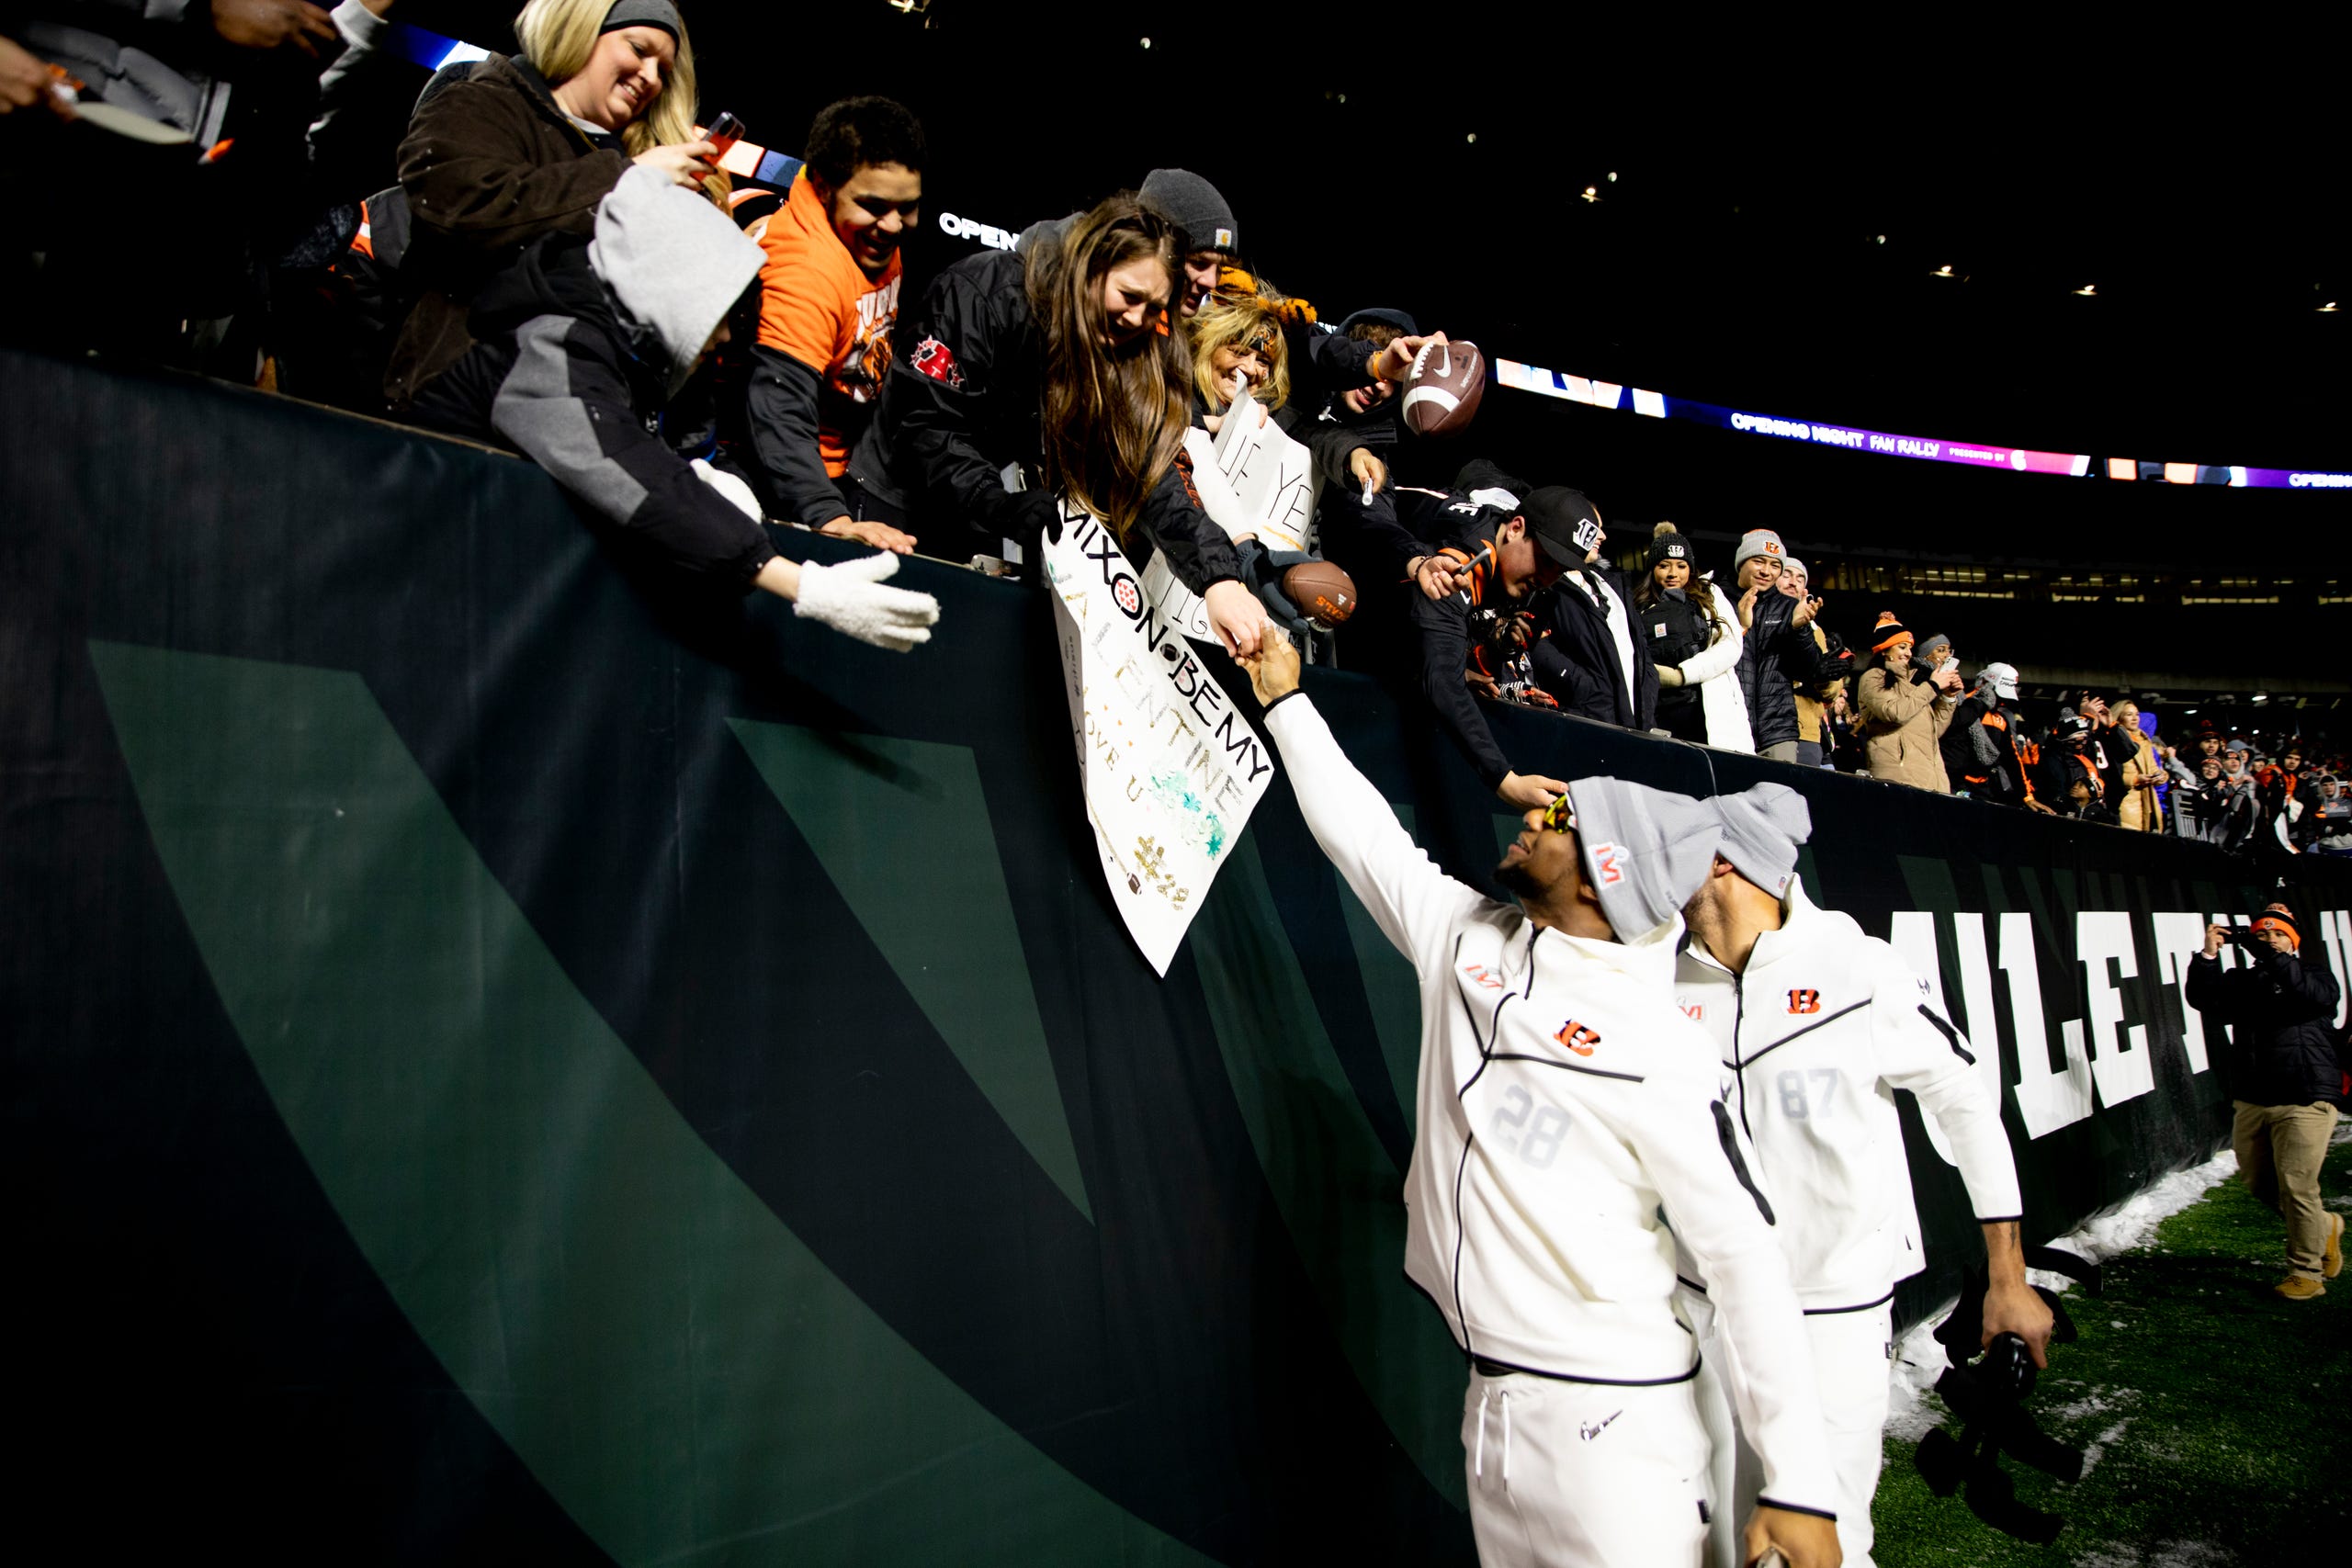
1563	521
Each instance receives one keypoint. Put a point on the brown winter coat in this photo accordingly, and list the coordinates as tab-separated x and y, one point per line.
488	164
1902	721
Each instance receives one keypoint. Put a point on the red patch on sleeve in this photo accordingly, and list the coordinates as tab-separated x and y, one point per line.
936	360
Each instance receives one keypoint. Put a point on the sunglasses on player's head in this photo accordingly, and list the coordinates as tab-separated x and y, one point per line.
1560	816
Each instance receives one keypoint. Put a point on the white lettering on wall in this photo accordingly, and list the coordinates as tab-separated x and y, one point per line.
2047	1099
2179	938
2119	1062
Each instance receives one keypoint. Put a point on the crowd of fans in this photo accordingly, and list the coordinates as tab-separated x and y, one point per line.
562	268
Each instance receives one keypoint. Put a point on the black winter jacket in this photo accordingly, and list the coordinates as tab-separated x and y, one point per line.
964	402
1577	660
2278	1011
1775	655
1673	629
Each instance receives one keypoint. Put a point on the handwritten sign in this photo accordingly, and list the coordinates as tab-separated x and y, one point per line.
1170	770
1254	478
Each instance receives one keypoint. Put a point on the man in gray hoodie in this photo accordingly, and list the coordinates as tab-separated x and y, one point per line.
583	342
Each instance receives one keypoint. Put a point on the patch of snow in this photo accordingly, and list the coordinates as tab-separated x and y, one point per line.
2095	1405
1919	1358
2097	1446
2133	1221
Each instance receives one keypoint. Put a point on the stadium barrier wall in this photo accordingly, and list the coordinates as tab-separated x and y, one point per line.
517	1060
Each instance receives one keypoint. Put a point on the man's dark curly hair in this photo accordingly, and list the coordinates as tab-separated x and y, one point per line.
854	132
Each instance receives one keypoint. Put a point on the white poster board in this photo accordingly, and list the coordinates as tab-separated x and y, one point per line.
1170	770
1254	478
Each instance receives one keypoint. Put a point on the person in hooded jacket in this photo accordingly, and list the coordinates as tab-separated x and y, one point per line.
528	145
1055	370
582	342
1776	648
2284	1076
1691	634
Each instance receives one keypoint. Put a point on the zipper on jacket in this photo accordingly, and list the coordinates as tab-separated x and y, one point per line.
1739	1063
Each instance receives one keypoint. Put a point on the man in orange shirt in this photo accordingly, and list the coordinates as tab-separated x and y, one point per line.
828	296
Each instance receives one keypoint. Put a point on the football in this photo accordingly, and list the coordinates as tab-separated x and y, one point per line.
1322	591
1442	387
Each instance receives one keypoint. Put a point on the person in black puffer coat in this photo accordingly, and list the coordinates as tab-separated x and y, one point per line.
2283	1073
1779	649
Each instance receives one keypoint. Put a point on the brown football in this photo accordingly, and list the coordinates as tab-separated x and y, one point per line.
1442	387
1321	590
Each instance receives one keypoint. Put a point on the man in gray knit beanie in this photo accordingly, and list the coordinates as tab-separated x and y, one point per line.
1206	219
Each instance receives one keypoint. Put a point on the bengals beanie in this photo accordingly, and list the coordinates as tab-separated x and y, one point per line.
1888	632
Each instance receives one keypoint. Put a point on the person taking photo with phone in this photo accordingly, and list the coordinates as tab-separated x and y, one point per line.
2285	1077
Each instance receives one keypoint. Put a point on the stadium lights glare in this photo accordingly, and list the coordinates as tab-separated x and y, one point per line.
1612	176
2260	697
1591	193
1941	272
2328	308
1882	239
1471	137
2087	290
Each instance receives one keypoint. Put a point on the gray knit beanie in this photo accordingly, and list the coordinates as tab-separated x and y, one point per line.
1645	850
1762	826
645	14
1195	207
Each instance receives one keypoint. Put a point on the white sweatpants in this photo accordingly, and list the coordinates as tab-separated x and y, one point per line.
1584	1475
1849	1365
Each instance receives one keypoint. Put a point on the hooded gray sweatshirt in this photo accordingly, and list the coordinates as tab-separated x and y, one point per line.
675	265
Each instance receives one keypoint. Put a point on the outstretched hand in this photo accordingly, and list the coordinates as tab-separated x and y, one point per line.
850	598
1273	669
1236	617
1527	792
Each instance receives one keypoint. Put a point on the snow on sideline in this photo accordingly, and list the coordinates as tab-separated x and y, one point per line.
1919	1358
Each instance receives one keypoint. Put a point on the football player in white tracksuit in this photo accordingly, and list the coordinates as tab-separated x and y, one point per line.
1562	1102
1816	1024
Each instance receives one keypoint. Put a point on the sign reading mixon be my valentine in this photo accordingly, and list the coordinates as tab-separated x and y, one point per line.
1170	770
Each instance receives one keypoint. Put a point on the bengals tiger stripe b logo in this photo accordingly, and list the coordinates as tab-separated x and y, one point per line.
1578	1038
1804	1000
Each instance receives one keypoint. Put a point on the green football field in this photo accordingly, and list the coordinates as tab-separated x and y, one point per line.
2211	1411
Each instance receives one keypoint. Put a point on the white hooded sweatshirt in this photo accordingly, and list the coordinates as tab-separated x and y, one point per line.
1562	1100
1814	1037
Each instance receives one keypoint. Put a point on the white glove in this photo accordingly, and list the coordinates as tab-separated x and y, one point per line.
736	492
850	598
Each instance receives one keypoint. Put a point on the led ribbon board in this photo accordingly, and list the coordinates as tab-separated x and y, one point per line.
1971	453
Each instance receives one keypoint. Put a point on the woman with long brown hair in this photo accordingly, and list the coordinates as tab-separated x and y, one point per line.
1059	368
